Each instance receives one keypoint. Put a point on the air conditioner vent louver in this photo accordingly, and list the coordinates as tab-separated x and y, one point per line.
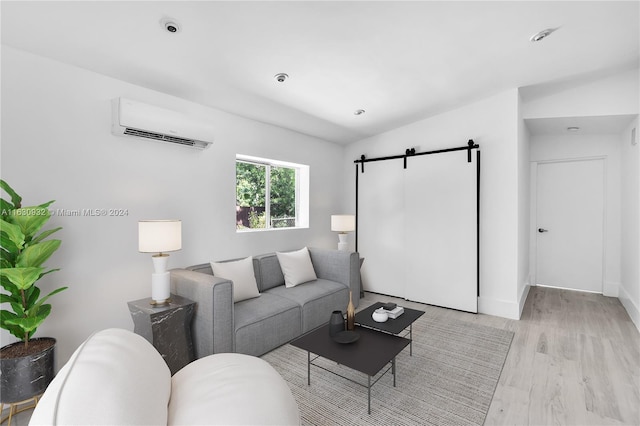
159	137
136	119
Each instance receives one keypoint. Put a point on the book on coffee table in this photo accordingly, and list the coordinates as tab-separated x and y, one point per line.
396	312
393	325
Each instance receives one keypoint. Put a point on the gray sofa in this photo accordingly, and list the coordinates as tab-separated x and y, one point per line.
256	326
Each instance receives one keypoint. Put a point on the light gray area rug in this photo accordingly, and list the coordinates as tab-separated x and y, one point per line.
449	380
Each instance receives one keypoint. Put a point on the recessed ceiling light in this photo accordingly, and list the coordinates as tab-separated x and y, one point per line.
573	129
281	77
359	112
170	25
542	34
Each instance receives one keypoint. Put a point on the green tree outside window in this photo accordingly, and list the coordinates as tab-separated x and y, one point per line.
253	208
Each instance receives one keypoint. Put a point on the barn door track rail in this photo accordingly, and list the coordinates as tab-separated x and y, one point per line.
411	152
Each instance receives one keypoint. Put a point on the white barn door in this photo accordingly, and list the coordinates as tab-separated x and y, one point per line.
417	229
381	227
440	230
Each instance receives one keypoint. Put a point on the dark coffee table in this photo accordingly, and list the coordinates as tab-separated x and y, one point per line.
393	326
372	352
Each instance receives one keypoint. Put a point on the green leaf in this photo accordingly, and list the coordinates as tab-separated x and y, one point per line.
42	311
6	315
44	299
48	272
28	324
9	247
7	260
22	278
35	255
44	235
17	331
18	309
31	219
12	232
31	295
5	208
7	298
8	286
15	198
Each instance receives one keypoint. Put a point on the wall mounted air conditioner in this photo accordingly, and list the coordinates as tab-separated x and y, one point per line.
132	118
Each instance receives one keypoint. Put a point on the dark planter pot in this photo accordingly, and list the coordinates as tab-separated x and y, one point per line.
28	376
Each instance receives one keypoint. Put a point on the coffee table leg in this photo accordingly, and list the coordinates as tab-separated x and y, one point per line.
393	370
411	339
369	392
308	368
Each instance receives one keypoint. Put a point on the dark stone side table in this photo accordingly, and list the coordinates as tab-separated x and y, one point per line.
167	327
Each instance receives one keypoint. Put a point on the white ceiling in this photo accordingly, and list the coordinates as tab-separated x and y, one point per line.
400	61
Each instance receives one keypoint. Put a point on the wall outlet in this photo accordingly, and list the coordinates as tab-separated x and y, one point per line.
634	141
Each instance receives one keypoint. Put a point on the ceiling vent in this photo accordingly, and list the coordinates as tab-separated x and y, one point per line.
132	118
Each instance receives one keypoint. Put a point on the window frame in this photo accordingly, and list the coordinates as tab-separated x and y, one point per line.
301	192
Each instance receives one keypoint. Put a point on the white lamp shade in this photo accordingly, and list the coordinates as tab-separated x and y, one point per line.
159	236
343	222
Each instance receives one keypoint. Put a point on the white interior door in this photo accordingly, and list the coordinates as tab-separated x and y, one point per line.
441	230
381	227
570	224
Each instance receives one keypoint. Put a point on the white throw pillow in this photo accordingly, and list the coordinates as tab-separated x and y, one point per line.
296	267
241	273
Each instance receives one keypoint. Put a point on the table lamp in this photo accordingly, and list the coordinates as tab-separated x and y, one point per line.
343	223
160	237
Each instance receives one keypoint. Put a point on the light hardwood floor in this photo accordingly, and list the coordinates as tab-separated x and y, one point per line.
574	360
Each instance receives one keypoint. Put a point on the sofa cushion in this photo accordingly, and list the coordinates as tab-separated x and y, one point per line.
317	298
265	323
296	267
240	272
231	389
114	378
268	271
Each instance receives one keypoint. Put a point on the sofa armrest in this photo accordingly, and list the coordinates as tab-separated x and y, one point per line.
212	327
339	266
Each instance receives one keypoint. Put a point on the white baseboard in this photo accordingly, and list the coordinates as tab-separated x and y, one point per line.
523	298
630	306
499	308
504	308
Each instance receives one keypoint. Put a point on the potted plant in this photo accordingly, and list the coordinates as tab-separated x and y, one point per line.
26	367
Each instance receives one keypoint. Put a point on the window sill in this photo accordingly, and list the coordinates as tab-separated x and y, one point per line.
251	230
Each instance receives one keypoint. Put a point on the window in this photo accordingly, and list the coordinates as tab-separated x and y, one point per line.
271	194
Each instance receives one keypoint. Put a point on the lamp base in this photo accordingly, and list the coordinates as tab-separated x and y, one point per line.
160	262
343	245
160	288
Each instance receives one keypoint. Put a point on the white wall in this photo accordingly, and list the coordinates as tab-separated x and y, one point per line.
524	222
56	144
630	224
575	146
612	95
493	124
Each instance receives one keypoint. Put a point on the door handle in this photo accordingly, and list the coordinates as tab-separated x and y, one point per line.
541	230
